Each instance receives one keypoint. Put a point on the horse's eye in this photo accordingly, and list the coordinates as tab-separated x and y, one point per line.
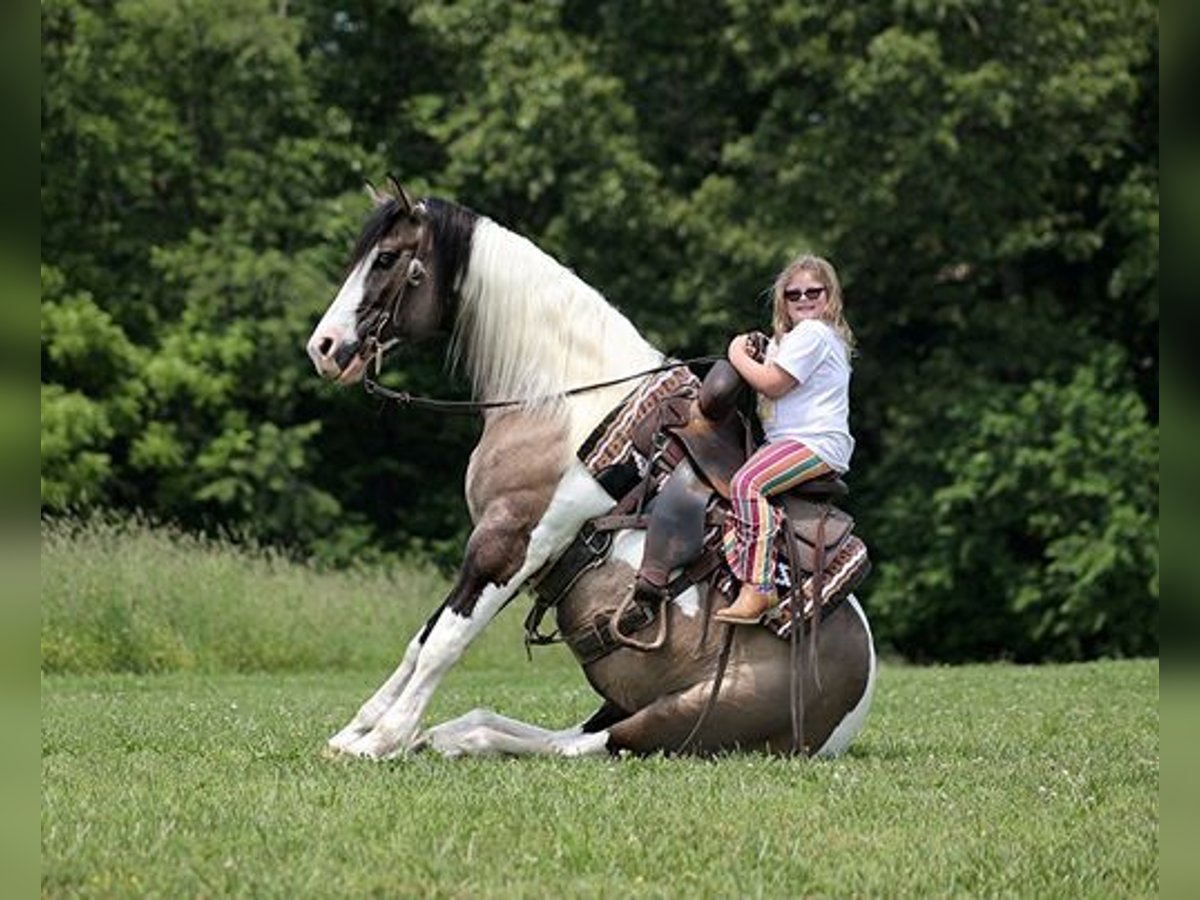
386	259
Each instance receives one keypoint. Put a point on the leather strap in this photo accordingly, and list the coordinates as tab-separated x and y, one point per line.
598	638
589	549
722	665
796	678
818	592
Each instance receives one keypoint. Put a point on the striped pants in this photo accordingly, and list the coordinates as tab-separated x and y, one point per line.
752	523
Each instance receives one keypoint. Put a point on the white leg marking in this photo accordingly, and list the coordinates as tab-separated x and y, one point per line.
485	733
584	744
482	731
577	498
380	702
848	729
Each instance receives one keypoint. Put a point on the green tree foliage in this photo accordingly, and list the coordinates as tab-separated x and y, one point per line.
1039	538
193	207
983	174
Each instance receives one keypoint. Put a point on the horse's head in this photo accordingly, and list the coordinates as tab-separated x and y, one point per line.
393	292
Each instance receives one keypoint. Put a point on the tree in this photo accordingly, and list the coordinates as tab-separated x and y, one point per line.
191	185
984	175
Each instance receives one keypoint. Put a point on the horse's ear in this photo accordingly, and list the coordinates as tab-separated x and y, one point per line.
401	194
378	197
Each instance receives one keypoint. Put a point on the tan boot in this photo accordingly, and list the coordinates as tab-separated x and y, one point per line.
748	608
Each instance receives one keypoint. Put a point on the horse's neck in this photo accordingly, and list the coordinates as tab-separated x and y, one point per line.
530	328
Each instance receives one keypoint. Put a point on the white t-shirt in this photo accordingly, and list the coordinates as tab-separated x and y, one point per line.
816	411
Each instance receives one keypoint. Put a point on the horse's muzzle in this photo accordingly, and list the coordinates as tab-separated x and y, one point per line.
332	357
346	353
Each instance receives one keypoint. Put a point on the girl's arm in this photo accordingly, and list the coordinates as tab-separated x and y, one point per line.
767	378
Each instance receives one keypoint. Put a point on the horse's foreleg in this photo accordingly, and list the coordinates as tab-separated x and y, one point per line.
497	563
387	694
494	552
500	557
452	633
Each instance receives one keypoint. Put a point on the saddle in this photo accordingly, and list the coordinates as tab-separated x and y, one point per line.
692	443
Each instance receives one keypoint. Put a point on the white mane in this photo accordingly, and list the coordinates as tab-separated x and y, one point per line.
529	328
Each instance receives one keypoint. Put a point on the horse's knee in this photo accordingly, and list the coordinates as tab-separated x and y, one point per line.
494	555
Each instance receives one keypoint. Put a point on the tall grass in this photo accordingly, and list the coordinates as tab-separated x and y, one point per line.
119	595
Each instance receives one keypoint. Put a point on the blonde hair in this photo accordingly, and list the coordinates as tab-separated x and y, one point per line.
834	315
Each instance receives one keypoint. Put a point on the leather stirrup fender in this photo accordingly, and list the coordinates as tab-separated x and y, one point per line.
675	530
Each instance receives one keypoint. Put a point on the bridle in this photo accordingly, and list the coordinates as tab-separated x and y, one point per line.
383	336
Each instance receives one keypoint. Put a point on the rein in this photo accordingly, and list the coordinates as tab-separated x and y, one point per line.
462	407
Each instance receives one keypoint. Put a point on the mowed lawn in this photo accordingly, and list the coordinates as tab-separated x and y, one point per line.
983	779
202	776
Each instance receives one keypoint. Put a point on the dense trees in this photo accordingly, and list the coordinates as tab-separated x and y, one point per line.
984	174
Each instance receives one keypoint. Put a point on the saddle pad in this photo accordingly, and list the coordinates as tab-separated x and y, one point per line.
611	442
846	571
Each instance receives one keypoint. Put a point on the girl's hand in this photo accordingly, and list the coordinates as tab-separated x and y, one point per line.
751	345
767	378
756	346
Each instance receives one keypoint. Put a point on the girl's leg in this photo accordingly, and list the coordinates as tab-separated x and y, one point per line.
750	530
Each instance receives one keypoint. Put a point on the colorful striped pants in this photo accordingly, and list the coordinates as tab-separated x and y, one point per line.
752	523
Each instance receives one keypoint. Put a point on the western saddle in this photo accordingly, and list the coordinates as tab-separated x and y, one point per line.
692	443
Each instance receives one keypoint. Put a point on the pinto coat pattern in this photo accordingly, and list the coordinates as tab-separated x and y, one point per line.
521	325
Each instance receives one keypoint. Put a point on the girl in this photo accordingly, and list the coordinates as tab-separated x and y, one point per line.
804	399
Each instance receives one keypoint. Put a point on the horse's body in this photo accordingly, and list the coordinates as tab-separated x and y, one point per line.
524	326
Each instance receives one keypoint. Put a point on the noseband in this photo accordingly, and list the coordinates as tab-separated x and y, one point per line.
383	337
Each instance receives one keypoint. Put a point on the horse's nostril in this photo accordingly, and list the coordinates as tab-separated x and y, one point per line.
325	346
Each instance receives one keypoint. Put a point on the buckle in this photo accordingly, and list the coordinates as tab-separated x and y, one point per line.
596	541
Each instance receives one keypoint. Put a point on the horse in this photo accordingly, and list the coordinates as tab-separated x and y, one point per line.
521	325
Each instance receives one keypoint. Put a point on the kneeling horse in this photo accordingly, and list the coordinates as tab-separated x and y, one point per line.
521	325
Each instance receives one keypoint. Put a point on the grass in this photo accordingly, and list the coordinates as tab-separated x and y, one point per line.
203	781
122	596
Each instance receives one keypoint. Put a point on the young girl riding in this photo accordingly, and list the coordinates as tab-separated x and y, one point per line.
803	383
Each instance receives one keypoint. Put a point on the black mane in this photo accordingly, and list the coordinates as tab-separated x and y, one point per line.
453	230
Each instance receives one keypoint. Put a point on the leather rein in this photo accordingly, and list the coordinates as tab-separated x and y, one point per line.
464	407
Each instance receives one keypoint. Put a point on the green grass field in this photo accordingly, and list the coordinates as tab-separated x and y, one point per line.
206	779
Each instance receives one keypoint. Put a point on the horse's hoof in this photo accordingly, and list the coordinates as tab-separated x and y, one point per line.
371	746
348	737
332	752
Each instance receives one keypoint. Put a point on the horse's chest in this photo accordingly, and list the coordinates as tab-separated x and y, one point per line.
516	466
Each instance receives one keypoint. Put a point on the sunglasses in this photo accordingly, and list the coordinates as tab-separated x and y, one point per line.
793	295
